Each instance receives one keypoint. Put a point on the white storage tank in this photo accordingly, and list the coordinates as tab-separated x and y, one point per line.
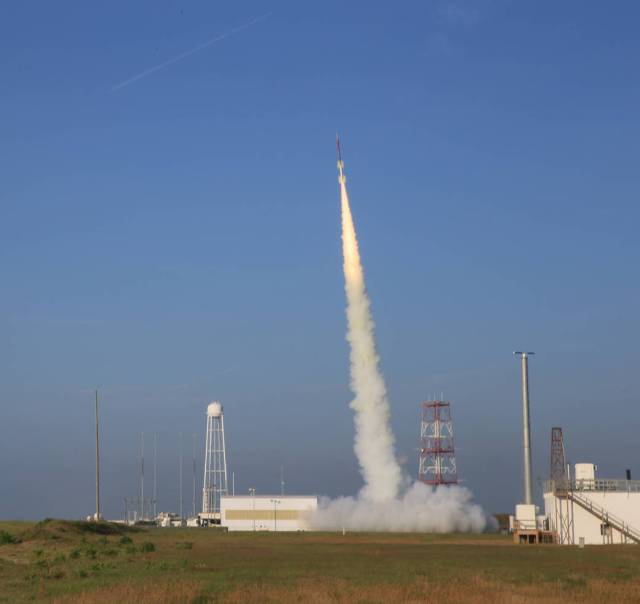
585	471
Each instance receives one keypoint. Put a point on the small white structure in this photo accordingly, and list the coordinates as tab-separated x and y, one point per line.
267	512
168	519
526	516
593	510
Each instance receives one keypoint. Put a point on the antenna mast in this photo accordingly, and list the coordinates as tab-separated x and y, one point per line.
193	503
97	463
155	474
141	475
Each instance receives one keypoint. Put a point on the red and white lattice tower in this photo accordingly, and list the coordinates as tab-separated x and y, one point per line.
437	463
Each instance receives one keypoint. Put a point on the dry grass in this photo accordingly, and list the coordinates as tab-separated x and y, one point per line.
475	591
73	562
165	592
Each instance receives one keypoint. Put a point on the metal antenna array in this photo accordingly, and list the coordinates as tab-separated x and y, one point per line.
558	474
215	464
437	464
558	465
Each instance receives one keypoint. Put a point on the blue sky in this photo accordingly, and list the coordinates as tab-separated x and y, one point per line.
176	240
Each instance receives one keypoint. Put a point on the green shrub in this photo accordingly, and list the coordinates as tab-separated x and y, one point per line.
75	554
82	573
124	540
147	546
6	537
91	552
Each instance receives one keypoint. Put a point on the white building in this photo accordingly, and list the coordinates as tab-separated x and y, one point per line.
592	510
267	512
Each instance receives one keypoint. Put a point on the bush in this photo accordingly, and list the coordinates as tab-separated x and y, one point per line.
124	540
91	552
6	537
147	546
75	554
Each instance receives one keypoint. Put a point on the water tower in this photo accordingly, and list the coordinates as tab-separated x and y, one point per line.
215	465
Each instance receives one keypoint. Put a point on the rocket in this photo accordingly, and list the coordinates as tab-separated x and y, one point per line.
341	177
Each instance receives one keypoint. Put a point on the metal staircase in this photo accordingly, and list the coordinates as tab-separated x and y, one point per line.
601	513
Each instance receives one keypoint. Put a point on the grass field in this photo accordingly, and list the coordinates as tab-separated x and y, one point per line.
61	561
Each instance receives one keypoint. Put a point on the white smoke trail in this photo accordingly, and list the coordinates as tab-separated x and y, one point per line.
188	53
374	442
386	502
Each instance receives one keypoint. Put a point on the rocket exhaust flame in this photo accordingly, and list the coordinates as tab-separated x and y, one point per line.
387	502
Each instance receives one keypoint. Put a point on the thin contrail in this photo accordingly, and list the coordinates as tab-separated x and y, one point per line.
188	53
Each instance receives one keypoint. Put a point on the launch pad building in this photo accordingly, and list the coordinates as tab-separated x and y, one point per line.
267	512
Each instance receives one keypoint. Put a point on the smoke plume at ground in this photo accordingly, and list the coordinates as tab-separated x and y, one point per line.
387	501
421	508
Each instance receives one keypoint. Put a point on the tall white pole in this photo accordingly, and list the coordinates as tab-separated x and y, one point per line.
141	475
97	463
155	474
281	480
526	428
180	474
193	511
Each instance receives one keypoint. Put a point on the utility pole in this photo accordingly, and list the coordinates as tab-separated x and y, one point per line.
252	491
180	476
526	429
275	514
97	463
193	512
141	475
155	475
